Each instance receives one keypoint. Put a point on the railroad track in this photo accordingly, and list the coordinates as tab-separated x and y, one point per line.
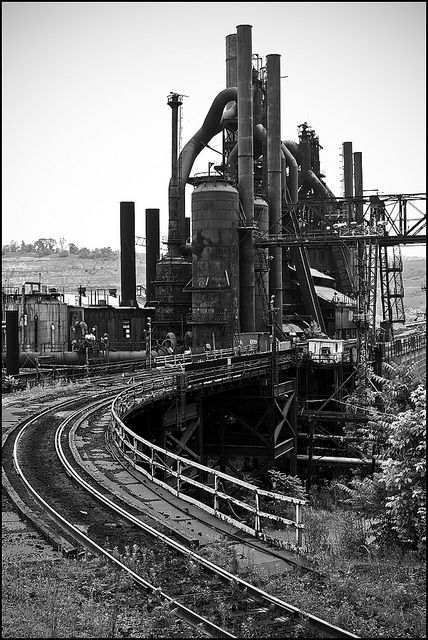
84	513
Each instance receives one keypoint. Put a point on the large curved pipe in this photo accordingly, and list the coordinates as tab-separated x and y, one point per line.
291	162
210	127
308	178
293	148
293	174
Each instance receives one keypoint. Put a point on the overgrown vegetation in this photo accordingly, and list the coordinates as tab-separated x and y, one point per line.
396	433
80	599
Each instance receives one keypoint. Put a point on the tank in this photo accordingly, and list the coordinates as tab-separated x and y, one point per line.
173	296
261	267
215	263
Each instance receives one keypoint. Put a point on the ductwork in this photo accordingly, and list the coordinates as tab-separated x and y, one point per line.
211	126
293	173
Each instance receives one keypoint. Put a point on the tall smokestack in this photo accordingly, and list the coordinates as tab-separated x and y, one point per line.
348	169
273	84
12	343
231	63
128	277
245	176
358	186
176	199
152	251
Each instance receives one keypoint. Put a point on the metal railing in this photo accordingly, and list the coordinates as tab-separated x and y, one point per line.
177	474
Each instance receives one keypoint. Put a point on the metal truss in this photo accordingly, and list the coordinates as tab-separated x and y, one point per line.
328	221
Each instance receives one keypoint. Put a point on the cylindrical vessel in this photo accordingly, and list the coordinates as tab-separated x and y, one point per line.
261	267
274	174
128	276
152	251
12	343
215	259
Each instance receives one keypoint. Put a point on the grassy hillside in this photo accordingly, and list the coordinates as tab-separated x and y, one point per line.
414	277
67	272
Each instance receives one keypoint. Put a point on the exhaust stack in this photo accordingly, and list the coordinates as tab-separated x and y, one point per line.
274	174
358	186
128	279
12	343
152	252
348	169
176	210
245	177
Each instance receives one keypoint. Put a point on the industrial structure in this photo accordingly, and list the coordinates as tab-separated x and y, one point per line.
268	260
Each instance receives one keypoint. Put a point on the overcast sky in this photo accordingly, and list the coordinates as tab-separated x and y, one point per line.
85	85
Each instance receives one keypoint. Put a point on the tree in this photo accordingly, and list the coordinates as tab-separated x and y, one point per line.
84	252
45	245
396	427
404	470
26	248
73	249
61	245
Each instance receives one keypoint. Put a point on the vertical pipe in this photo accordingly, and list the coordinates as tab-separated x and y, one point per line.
152	251
186	228
245	122
274	174
245	176
12	343
358	186
128	277
348	169
175	198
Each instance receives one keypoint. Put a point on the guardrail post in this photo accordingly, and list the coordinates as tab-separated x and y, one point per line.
299	532
216	500
178	476
152	458
257	522
134	447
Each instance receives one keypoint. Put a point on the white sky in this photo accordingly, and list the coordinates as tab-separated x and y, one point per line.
85	84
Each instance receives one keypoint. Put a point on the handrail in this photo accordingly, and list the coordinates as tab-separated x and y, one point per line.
161	465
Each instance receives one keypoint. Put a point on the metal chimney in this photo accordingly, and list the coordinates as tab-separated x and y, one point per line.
348	169
152	251
12	343
245	176
358	186
176	199
231	63
127	255
273	85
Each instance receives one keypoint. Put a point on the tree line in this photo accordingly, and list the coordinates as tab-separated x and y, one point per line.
48	246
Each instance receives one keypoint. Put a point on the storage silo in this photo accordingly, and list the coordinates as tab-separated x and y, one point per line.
261	266
215	262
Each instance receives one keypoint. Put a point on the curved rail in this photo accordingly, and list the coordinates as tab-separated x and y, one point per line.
179	609
315	622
